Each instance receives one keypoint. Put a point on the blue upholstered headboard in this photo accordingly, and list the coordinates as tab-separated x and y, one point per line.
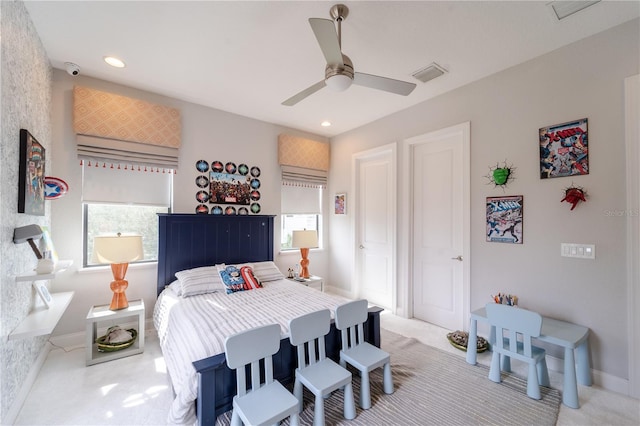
191	240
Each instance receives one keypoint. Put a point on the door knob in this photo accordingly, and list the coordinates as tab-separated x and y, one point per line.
459	258
361	247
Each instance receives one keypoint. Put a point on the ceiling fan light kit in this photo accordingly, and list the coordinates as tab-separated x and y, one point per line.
339	83
339	72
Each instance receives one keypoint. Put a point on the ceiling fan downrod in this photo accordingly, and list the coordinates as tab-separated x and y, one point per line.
338	13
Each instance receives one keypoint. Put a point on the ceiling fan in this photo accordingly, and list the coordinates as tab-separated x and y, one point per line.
339	73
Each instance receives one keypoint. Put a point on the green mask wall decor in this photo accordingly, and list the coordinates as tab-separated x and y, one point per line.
500	175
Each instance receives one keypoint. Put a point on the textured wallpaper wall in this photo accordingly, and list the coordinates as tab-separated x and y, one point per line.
25	75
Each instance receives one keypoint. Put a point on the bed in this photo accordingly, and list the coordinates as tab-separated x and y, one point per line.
205	387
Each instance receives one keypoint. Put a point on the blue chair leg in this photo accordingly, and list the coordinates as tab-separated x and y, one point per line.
349	404
318	411
543	373
365	391
533	388
294	420
235	419
387	380
297	392
506	363
494	371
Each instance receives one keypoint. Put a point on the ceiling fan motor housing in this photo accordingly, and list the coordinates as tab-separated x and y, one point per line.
346	68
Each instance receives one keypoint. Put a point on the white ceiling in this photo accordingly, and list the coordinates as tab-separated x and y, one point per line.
248	57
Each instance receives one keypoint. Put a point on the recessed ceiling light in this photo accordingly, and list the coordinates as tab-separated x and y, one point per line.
325	123
114	62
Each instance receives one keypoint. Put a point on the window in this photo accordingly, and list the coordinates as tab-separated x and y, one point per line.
294	222
301	209
126	201
103	219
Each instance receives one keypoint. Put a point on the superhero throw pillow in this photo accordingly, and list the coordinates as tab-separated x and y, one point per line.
238	279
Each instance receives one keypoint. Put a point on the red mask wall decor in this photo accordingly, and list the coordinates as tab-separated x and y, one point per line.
573	195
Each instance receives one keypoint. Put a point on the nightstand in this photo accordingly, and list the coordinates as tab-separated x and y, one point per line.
102	313
312	281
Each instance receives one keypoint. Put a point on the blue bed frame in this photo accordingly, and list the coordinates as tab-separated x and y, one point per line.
192	240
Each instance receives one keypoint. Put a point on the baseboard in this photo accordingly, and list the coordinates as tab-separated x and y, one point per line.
21	397
604	380
339	291
69	341
612	383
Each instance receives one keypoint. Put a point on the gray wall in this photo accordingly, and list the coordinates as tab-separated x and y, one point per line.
506	110
26	102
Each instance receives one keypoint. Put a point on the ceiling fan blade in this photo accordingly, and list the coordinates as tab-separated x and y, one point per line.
306	92
325	31
383	83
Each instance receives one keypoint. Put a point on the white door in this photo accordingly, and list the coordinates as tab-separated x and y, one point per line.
440	215
375	225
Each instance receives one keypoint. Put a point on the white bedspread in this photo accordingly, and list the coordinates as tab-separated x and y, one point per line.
195	327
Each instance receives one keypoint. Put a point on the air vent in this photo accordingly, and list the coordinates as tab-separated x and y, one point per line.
429	73
562	8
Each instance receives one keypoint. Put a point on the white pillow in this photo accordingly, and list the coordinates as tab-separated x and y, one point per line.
267	271
200	281
176	287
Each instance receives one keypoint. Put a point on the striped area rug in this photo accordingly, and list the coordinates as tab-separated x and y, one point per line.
433	387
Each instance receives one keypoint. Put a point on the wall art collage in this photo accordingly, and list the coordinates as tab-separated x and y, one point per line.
227	188
564	151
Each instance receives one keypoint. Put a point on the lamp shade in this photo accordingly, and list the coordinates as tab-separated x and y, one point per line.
117	248
304	239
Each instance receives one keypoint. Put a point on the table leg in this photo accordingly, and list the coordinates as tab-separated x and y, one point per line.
570	386
583	364
472	342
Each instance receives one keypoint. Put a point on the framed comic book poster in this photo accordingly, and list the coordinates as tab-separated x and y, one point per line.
504	219
31	179
564	149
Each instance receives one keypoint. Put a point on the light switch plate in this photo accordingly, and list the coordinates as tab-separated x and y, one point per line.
580	251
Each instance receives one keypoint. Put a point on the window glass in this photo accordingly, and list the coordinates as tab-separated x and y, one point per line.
101	219
295	222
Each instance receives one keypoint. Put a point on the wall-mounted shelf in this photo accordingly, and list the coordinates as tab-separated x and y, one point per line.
43	320
61	265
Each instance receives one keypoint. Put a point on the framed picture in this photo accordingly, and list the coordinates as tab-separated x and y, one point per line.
43	292
341	204
504	219
31	179
564	149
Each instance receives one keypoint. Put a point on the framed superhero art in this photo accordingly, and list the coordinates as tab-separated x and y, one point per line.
504	219
564	149
31	170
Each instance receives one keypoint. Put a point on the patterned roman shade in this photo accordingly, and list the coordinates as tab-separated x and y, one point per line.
119	129
304	162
